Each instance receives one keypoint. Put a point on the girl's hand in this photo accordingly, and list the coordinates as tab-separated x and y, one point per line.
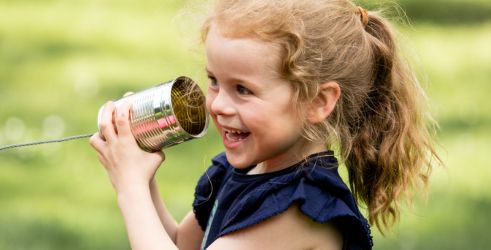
127	165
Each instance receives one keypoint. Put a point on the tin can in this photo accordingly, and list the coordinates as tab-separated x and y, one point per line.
167	114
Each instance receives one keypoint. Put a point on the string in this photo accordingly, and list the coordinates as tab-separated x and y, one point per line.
45	141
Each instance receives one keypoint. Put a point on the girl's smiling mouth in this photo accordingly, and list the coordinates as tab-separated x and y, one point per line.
235	135
234	138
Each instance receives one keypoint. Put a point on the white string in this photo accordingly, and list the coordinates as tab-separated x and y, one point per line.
43	142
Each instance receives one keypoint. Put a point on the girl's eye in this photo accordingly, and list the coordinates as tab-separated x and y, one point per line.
243	90
213	81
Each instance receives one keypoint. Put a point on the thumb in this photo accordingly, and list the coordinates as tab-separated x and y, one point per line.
160	156
157	158
123	120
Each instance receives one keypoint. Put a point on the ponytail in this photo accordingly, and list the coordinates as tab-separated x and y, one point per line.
390	148
379	122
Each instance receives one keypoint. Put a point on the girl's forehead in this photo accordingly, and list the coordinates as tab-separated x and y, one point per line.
240	50
216	35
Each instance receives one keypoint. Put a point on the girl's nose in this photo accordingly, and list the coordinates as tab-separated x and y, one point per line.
221	104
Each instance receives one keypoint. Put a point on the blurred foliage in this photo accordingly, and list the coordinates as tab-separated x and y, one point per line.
61	60
436	11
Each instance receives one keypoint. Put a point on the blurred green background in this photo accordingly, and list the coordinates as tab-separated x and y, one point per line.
61	60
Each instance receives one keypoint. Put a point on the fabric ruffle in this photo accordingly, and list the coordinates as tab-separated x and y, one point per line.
315	188
207	188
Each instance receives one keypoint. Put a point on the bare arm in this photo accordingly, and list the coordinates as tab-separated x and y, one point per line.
131	171
144	228
166	219
288	230
188	234
147	231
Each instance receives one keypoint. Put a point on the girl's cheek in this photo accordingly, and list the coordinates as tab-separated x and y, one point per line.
209	100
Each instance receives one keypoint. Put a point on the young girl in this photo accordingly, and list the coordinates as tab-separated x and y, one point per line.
289	80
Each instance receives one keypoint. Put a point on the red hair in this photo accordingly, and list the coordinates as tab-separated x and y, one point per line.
380	123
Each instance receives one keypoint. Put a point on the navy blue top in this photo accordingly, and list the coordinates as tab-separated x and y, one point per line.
227	199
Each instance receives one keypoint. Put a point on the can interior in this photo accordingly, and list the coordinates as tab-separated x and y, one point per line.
189	105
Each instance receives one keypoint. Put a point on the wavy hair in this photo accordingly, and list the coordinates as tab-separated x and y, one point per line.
380	123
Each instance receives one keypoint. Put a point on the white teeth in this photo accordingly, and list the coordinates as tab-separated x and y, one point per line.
234	131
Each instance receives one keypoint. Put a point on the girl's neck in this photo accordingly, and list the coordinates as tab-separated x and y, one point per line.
287	159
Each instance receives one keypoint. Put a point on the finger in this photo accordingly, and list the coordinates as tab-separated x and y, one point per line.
128	93
103	160
160	155
99	145
107	128
157	158
97	142
123	120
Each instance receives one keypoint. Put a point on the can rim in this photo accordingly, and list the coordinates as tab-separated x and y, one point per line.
187	80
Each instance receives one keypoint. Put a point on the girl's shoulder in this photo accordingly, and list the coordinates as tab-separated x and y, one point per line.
270	234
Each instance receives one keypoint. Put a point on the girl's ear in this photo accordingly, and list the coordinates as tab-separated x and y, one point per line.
323	104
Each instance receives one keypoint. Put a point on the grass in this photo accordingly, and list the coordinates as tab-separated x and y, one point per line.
61	60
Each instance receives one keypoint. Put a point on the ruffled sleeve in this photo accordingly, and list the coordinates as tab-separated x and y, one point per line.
207	188
320	194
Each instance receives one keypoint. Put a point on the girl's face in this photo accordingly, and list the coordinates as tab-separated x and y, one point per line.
251	107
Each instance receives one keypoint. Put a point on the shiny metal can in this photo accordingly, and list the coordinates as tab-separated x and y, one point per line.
166	114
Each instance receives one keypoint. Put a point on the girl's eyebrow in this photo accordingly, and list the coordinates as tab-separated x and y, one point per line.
208	71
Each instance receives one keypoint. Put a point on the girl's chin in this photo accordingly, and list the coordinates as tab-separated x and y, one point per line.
237	162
